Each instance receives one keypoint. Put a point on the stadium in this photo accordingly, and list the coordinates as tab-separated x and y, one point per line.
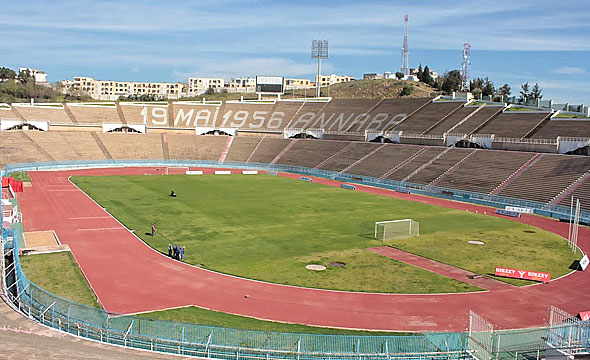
265	188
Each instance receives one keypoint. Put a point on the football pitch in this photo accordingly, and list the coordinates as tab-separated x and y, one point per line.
269	228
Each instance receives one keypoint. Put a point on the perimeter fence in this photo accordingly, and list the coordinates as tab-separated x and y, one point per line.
564	334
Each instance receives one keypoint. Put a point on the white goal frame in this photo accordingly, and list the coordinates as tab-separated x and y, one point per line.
175	167
413	229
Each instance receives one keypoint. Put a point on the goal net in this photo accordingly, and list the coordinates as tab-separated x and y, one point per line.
176	170
395	229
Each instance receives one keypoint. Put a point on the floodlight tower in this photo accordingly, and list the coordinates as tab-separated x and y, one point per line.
319	50
405	58
465	67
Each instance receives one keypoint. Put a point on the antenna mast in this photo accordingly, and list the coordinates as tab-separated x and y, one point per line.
405	59
465	67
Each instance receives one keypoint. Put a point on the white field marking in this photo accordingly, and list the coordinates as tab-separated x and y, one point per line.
101	229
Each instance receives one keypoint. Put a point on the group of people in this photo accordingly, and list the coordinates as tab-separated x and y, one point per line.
176	252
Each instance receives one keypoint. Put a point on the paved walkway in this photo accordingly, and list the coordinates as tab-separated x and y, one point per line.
21	338
449	271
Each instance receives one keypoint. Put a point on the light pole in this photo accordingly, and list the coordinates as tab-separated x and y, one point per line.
319	50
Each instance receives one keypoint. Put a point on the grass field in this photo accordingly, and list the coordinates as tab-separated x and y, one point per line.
269	228
59	274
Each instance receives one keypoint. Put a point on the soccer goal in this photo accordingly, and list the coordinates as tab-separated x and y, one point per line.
176	170
395	229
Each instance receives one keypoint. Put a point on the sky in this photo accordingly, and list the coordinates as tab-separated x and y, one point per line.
512	42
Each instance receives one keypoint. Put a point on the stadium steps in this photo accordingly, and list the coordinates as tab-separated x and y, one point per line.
310	152
426	164
428	115
18	113
582	192
383	160
230	140
165	150
334	155
407	117
516	174
422	158
295	114
444	118
487	121
101	146
393	169
465	119
570	189
538	127
284	151
120	113
70	114
38	147
471	124
363	158
453	168
566	128
170	114
255	148
366	113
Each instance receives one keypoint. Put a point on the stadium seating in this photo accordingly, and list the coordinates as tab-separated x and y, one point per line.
68	145
17	147
242	147
450	121
424	118
582	193
512	124
203	147
310	153
439	166
485	171
95	114
414	164
53	114
132	146
268	149
555	128
476	120
383	160
348	157
547	177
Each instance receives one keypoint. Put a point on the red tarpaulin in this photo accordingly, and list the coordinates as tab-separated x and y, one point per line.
16	185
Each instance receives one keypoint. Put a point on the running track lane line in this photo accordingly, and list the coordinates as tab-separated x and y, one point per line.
129	277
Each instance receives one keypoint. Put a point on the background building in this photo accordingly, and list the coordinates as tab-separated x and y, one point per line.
40	76
326	80
198	86
112	90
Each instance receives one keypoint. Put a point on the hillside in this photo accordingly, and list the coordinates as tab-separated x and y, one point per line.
377	89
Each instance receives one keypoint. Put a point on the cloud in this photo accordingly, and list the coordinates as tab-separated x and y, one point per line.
569	70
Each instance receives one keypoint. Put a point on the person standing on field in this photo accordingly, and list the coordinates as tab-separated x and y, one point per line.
170	249
182	253
154	229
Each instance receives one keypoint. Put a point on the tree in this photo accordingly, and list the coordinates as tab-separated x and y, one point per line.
536	92
419	72
525	94
505	90
488	88
399	75
407	90
451	81
7	74
209	91
25	77
426	78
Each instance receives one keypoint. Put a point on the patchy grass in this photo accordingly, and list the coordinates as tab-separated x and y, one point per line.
268	228
196	315
20	175
59	274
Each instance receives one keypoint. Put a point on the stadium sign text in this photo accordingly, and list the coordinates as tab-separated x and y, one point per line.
259	119
523	274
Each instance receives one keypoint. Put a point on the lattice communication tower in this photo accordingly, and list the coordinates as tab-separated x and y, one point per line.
465	67
405	53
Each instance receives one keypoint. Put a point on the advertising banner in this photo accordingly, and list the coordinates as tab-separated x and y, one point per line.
523	274
519	209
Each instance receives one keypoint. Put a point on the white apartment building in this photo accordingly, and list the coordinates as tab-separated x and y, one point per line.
326	80
291	84
40	76
197	86
112	90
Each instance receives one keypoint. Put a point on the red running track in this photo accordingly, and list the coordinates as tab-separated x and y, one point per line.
129	277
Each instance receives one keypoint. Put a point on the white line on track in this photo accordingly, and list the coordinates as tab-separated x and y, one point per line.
102	229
